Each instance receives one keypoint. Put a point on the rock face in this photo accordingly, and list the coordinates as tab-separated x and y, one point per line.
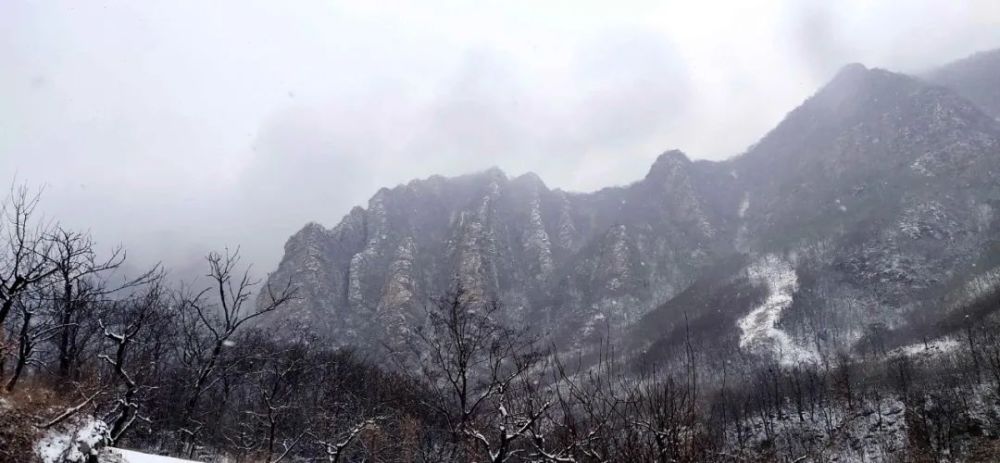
572	263
878	192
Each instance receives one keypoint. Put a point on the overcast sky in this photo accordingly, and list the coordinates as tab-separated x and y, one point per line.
178	126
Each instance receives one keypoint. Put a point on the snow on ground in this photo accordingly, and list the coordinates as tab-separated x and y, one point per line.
51	447
928	349
744	205
131	456
75	442
73	445
875	432
759	331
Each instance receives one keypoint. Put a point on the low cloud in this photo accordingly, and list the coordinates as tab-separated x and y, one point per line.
177	127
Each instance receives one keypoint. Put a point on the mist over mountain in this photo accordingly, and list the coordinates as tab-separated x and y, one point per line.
975	78
879	191
703	238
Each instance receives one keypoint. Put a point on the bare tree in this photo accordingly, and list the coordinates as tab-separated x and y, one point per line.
336	449
208	324
274	396
477	364
127	328
24	256
32	331
82	286
588	400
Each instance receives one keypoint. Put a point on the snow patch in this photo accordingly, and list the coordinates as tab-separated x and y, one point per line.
744	205
875	433
74	445
929	349
759	331
840	206
131	456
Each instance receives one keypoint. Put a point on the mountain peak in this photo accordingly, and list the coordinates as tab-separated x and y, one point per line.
529	178
854	93
667	164
855	81
850	70
872	158
495	171
311	233
313	227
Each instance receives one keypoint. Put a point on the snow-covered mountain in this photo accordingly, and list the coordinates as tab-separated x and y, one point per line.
976	78
566	262
870	208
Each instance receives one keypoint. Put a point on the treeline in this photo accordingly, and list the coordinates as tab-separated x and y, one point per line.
185	372
178	371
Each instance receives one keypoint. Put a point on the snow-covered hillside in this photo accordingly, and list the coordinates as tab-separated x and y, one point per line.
758	328
81	439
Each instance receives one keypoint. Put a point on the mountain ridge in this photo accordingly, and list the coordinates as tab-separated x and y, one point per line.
872	178
974	77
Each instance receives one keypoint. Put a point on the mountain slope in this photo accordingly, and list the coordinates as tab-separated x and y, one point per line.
880	192
976	78
878	195
566	262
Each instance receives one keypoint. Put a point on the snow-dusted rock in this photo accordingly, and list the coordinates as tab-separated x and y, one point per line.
80	442
883	184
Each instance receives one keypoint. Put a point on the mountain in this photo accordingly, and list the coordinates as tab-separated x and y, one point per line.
977	78
866	209
873	205
572	263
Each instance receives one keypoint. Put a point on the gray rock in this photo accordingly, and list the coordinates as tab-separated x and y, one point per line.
880	188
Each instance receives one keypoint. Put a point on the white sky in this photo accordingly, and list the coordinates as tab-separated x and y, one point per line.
178	126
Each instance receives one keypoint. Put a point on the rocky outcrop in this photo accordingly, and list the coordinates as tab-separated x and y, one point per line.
878	192
610	255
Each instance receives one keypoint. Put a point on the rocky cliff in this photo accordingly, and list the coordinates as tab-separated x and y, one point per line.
572	263
878	195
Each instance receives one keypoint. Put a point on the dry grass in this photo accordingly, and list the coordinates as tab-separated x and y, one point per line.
17	432
20	412
984	450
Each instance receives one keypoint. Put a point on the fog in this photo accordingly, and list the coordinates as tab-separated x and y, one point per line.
176	127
